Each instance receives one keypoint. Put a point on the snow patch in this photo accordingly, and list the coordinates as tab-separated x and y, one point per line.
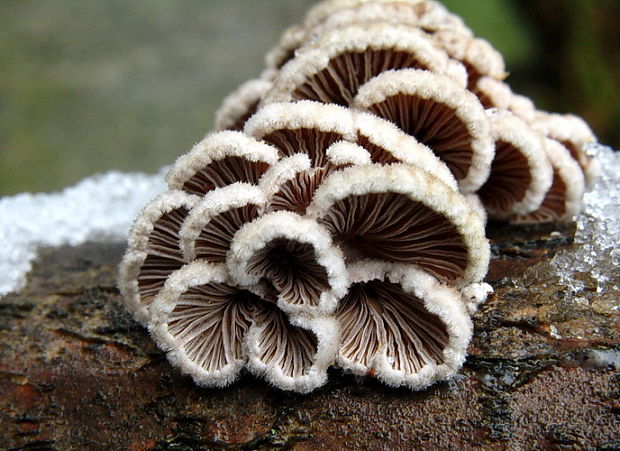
596	256
101	207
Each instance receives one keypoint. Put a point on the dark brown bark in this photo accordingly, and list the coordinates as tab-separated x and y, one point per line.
76	372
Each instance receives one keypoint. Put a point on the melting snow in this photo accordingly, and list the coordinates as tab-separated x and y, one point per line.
99	208
596	257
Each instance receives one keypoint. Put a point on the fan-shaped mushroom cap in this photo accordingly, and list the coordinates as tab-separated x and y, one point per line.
284	170
292	38
202	321
438	113
573	132
212	223
296	256
302	127
153	252
478	56
389	144
493	93
429	16
241	104
222	158
291	183
331	68
521	174
429	13
401	325
563	200
402	214
293	355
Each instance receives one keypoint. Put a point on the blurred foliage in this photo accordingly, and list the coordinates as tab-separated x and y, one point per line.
88	86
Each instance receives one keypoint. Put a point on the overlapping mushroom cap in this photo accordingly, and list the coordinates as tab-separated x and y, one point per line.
337	216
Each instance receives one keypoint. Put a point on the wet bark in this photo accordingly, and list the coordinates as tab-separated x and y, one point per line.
76	372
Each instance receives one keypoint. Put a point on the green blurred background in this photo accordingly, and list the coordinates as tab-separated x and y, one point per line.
92	85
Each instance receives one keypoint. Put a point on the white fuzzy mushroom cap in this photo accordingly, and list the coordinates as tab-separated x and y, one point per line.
441	90
302	127
299	115
410	329
217	147
573	132
418	187
521	173
215	203
397	146
292	38
477	54
295	80
238	106
265	362
284	170
196	361
493	93
164	213
564	199
254	241
426	15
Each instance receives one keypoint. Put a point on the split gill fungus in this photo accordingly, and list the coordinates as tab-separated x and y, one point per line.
336	217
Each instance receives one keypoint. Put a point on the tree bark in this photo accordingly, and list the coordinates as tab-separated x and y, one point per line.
76	372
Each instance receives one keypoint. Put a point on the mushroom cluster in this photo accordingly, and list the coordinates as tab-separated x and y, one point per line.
337	215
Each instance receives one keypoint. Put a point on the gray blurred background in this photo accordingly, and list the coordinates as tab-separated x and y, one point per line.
92	85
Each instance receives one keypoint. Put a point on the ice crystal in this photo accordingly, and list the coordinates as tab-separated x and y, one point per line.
595	259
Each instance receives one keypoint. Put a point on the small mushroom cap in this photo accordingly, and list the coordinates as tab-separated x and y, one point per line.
426	15
212	223
402	325
399	213
293	354
302	127
153	251
521	173
564	199
292	183
439	113
201	321
222	158
241	104
428	12
493	93
284	170
292	38
296	255
331	68
478	55
573	132
389	144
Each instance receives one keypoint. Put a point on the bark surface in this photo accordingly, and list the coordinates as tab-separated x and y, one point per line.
76	372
